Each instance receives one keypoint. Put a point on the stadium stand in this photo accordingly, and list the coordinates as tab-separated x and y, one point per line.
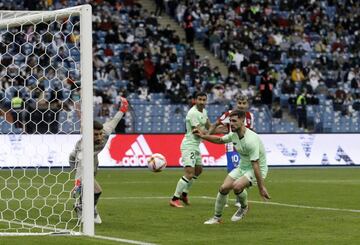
299	44
279	48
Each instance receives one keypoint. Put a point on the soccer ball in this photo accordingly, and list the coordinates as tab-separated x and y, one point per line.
156	162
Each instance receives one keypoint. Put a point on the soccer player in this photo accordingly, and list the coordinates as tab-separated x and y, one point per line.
101	135
196	118
232	157
252	170
242	104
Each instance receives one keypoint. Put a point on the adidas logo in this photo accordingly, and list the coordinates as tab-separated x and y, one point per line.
137	154
135	150
139	148
203	149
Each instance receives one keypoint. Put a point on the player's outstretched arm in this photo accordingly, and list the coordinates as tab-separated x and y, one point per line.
74	156
212	129
111	125
220	125
217	128
221	129
211	138
262	189
72	160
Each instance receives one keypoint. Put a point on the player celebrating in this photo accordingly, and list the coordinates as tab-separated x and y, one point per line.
252	170
101	135
232	157
196	118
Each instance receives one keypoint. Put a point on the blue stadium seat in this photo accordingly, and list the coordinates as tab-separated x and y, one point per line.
157	110
157	127
5	127
67	127
147	128
62	116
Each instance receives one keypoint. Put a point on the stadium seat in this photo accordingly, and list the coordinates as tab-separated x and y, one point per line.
5	127
67	127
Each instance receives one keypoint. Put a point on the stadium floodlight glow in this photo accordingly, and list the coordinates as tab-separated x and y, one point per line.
46	89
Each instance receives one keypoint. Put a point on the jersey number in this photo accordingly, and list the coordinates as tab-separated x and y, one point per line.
235	158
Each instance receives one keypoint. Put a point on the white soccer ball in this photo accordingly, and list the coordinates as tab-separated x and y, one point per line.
156	162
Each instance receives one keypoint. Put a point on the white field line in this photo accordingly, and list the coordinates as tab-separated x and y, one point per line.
308	181
298	206
55	231
198	197
257	202
115	239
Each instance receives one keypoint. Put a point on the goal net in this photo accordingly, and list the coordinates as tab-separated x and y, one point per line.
45	107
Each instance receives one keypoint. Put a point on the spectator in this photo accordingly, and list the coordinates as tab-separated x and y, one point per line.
257	100
288	87
159	7
189	28
266	90
17	106
218	92
297	75
276	111
301	110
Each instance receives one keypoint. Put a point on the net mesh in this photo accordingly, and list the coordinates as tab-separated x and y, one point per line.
39	120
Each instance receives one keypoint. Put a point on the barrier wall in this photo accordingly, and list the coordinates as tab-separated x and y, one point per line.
132	150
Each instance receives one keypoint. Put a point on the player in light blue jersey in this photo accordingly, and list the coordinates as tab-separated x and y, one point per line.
251	171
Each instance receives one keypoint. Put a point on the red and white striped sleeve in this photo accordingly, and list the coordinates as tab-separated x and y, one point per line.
249	120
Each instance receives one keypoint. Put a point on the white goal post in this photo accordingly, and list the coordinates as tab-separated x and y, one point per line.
45	61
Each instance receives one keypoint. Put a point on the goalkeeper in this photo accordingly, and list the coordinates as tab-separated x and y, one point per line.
101	135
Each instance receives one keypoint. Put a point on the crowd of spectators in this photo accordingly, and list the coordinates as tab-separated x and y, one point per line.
285	45
277	47
37	69
140	56
132	54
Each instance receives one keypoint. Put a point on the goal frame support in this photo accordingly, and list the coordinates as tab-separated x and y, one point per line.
86	71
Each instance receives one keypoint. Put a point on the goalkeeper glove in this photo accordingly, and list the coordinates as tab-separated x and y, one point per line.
77	188
124	107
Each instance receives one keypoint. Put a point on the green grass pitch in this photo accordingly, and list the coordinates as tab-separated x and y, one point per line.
134	206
